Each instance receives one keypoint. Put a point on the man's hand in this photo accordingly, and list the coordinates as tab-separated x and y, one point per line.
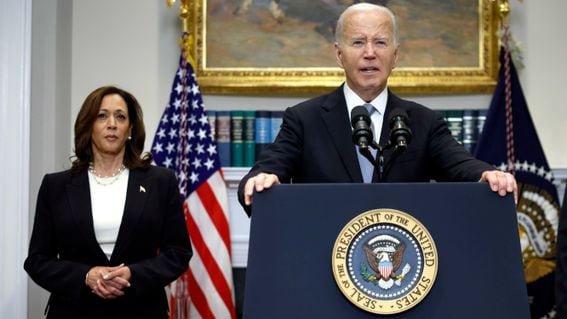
108	282
501	182
259	183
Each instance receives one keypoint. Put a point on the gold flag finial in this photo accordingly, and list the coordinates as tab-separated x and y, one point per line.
506	39
184	15
183	12
186	39
504	9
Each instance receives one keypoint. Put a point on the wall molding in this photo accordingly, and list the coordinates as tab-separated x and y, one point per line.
15	57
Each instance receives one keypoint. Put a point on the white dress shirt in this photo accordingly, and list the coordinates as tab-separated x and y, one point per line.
376	116
379	103
107	203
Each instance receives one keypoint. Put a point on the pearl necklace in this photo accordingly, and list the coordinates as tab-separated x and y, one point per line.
106	180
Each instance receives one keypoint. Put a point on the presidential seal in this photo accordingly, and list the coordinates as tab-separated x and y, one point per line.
384	261
538	216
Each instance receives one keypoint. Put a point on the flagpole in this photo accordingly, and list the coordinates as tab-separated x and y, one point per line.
206	289
180	308
183	13
186	39
504	13
504	10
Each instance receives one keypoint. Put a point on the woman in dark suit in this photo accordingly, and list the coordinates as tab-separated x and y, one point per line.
109	233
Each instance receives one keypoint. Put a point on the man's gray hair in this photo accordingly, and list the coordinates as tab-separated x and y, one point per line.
365	6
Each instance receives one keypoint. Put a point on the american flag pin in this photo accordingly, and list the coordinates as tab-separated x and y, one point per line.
142	189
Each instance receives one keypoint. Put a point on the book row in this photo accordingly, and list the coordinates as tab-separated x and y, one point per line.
465	125
242	135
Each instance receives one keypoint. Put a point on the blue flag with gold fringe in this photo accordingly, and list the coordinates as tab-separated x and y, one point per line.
509	141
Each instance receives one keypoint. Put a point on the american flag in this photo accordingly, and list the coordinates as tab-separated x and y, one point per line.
183	142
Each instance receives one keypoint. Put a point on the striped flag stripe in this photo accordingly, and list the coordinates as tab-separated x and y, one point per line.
215	272
207	197
216	304
216	181
193	313
198	297
210	237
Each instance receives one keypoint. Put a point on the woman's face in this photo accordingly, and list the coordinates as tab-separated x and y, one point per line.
111	127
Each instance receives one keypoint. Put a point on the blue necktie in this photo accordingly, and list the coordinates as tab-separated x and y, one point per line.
367	168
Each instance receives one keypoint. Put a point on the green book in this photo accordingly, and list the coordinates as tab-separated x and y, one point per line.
236	138
249	141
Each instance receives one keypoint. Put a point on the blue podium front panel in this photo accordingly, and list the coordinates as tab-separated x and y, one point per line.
294	229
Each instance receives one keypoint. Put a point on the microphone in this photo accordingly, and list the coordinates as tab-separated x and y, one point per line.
360	121
400	133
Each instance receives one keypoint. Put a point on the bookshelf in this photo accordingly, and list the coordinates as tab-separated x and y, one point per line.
241	135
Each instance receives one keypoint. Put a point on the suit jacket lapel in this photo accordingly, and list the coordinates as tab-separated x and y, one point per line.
78	192
136	195
335	116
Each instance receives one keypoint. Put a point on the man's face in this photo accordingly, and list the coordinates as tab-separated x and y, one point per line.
367	51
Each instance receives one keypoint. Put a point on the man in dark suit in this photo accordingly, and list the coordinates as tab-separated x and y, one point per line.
315	144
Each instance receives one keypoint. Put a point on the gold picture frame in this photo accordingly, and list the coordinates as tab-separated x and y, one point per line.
219	24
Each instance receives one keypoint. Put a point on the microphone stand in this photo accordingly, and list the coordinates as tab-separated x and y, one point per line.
378	162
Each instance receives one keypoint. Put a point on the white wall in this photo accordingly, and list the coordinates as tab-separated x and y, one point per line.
82	44
15	51
50	104
544	78
117	42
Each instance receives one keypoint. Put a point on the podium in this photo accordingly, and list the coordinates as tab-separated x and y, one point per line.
294	229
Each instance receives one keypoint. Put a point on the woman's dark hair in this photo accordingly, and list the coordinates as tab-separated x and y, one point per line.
133	157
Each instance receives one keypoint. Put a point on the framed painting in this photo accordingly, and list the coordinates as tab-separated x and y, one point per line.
287	46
